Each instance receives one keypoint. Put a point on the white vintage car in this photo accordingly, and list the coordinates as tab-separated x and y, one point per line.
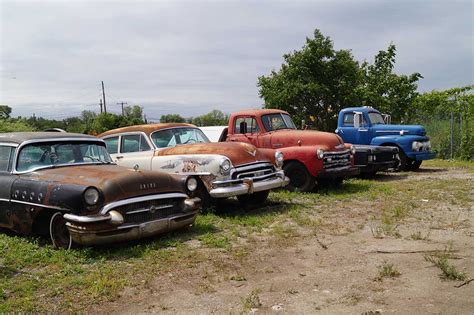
223	169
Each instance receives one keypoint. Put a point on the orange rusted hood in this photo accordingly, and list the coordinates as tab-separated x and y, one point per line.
323	140
114	181
239	153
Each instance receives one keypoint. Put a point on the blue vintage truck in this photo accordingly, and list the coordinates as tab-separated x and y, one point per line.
367	126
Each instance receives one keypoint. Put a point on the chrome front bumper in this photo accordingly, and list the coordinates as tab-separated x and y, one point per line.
243	186
83	236
109	227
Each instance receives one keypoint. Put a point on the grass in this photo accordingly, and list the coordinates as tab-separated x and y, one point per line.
387	270
34	278
448	271
252	300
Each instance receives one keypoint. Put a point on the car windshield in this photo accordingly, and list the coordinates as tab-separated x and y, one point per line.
174	136
51	154
277	121
376	119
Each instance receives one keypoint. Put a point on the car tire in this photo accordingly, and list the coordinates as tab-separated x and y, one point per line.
254	199
402	166
415	165
300	178
59	233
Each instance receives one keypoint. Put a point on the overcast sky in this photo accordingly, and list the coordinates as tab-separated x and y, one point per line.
189	57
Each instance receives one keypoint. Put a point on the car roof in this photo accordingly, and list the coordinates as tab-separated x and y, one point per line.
147	129
20	137
257	112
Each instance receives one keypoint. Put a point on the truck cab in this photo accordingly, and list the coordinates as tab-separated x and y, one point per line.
367	126
310	156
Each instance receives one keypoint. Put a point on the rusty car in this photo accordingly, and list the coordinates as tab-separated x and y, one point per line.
224	169
67	186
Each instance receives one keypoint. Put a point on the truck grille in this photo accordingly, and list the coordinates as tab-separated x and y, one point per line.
385	156
253	170
336	159
146	211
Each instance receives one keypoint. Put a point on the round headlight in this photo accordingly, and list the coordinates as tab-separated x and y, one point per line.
416	145
320	154
191	184
353	150
279	158
225	166
91	196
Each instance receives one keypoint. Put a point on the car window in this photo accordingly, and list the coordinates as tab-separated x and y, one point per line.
174	136
349	120
6	157
134	143
50	154
252	126
112	145
376	118
277	121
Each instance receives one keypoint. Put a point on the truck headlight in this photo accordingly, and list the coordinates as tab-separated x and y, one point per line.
416	146
225	166
91	196
279	158
320	154
191	184
353	150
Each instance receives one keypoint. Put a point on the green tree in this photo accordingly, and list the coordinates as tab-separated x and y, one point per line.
14	125
172	118
5	111
383	89
132	115
213	118
314	83
106	121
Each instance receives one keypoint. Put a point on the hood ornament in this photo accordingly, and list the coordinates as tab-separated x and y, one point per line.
252	153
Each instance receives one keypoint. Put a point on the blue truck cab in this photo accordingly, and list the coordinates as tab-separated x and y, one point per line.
367	126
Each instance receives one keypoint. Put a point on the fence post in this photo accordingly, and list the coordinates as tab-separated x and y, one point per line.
452	133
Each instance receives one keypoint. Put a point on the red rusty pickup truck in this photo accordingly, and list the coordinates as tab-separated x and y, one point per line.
310	156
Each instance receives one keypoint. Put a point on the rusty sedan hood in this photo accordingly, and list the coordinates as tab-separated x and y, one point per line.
239	153
114	181
322	140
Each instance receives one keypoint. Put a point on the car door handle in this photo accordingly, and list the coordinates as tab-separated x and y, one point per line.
232	139
119	157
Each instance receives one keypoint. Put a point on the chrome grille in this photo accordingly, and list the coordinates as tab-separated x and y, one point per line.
336	159
146	211
253	170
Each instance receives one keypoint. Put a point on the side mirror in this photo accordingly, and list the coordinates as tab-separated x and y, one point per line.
357	120
387	119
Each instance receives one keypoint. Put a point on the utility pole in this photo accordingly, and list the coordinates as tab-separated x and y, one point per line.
103	95
100	103
122	103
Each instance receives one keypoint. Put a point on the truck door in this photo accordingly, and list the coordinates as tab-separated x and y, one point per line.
354	134
346	130
6	182
245	130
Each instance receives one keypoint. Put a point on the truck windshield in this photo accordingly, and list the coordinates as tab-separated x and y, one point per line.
277	122
171	137
51	154
376	119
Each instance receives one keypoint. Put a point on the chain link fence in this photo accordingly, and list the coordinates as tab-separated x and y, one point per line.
452	135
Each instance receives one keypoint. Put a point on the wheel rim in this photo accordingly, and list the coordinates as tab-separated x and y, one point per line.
60	236
298	178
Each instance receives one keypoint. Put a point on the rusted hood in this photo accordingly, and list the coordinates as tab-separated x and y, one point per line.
114	181
322	140
238	153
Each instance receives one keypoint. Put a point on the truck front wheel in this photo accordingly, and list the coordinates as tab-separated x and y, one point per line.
300	178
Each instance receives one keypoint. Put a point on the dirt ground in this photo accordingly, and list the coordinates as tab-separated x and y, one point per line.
336	268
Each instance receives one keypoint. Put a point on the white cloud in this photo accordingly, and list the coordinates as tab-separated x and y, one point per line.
192	56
